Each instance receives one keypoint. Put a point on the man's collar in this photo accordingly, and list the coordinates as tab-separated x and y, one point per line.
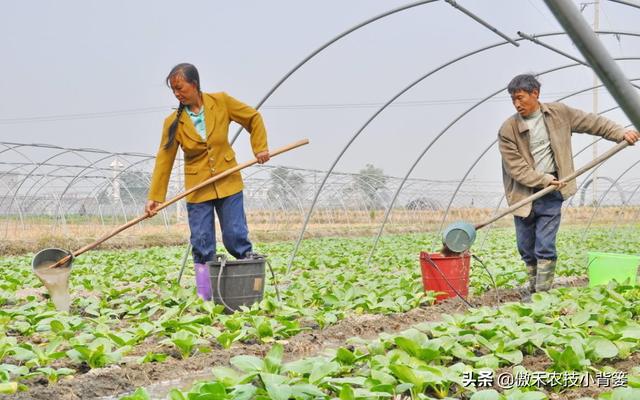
544	108
522	124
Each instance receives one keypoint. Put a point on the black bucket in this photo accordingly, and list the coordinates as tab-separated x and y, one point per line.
237	283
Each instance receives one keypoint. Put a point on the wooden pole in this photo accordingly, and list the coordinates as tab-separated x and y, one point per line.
604	156
167	203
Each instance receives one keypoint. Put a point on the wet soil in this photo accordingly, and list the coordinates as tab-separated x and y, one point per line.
117	380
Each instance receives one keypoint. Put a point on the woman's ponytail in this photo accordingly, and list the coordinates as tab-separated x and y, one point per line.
174	127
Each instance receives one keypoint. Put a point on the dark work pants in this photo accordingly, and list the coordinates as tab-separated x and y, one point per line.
536	233
233	224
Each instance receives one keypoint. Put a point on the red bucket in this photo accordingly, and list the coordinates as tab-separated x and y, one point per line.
455	270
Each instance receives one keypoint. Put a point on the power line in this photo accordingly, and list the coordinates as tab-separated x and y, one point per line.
318	106
399	104
91	115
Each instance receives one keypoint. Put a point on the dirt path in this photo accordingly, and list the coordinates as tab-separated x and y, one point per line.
117	380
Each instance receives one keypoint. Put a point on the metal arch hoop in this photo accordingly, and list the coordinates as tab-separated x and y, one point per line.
395	97
588	183
327	44
495	141
604	195
428	147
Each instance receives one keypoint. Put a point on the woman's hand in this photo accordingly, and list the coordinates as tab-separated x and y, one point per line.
150	208
263	157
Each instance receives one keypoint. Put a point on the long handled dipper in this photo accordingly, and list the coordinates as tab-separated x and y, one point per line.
459	236
167	203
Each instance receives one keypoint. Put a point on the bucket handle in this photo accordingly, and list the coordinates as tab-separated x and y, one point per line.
275	281
495	286
273	276
428	258
223	262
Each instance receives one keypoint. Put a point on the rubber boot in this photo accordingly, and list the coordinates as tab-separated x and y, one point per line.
532	270
544	275
203	281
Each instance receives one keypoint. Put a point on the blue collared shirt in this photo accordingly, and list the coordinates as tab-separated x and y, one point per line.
198	122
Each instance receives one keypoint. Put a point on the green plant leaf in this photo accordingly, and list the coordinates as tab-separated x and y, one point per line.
406	374
244	392
514	357
227	376
625	394
248	364
276	386
139	394
273	359
407	345
57	326
265	330
153	357
8	387
227	338
175	394
304	390
346	393
345	356
603	348
322	369
580	318
213	391
299	367
631	332
383	377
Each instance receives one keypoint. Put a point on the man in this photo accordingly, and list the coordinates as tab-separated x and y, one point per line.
535	145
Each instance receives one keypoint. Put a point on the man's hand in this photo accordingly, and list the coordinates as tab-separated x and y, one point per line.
631	137
150	208
558	184
262	157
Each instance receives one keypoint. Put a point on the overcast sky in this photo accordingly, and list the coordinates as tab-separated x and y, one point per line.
91	74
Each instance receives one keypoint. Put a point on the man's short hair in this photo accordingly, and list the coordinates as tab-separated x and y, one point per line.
526	82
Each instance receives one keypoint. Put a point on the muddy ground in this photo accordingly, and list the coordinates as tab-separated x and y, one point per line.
117	380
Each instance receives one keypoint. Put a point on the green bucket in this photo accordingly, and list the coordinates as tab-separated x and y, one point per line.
604	267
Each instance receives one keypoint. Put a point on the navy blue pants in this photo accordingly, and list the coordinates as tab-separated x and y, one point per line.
233	224
536	233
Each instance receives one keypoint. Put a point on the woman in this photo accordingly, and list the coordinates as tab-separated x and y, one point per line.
200	127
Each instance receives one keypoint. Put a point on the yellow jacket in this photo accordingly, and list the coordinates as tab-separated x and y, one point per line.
203	160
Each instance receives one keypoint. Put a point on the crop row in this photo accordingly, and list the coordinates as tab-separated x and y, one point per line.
579	331
123	300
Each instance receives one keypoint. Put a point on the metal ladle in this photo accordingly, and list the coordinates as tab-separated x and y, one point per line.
47	261
56	280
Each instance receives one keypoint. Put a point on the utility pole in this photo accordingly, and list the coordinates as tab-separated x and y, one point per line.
116	168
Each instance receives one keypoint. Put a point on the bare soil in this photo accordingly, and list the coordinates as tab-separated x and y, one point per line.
31	235
120	379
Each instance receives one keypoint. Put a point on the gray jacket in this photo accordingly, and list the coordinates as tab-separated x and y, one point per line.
520	178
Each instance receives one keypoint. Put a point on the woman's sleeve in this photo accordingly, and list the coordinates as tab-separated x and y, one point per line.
251	120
